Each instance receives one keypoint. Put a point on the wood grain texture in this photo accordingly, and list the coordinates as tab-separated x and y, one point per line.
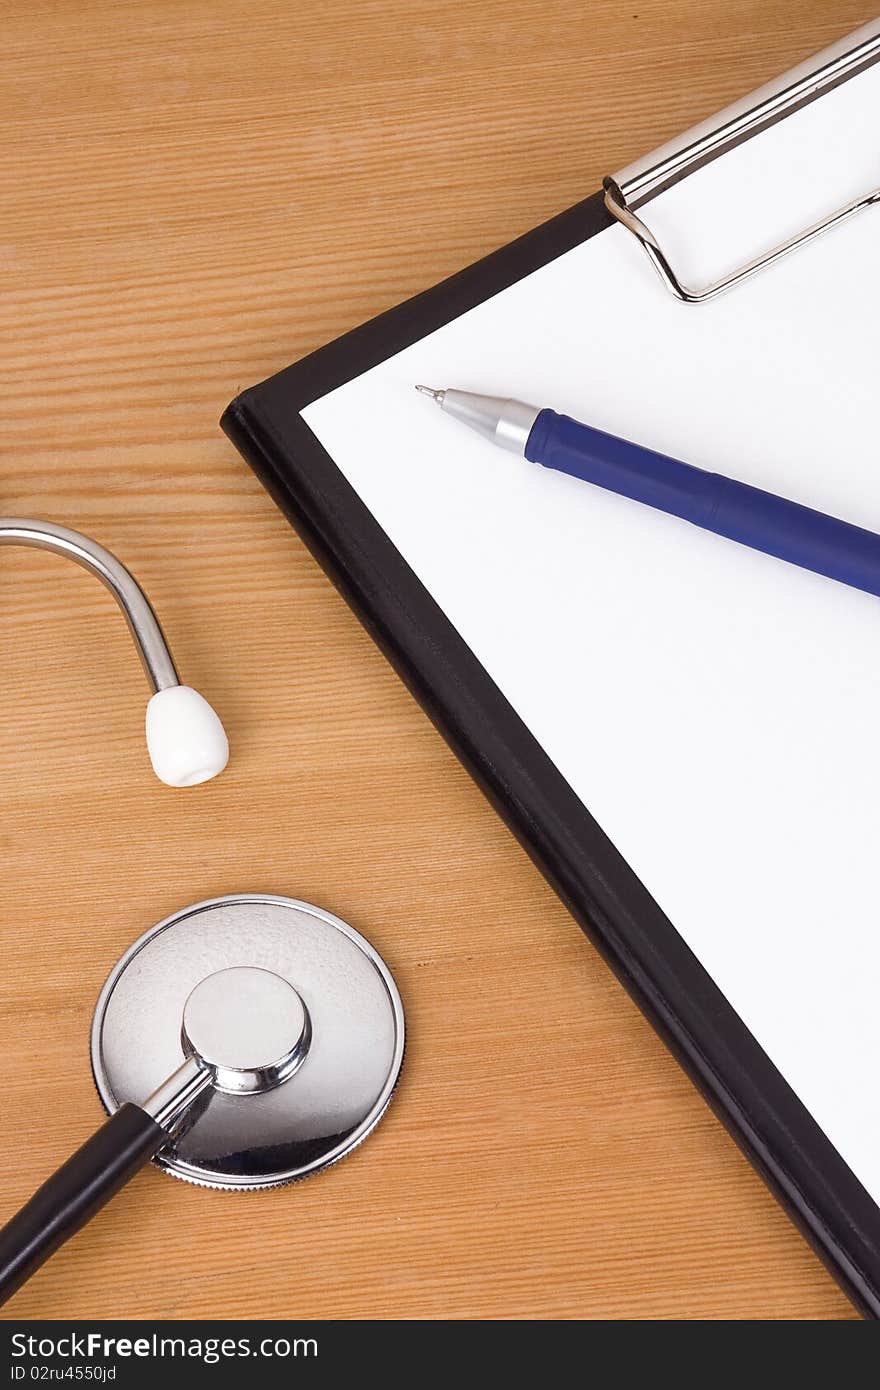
194	193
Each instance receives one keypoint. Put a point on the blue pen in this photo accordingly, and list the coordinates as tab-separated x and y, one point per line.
742	513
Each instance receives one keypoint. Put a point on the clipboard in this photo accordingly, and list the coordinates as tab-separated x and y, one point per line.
610	900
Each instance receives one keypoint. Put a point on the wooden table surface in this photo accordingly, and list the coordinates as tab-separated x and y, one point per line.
194	193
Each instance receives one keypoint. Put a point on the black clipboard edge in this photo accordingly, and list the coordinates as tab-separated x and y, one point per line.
614	909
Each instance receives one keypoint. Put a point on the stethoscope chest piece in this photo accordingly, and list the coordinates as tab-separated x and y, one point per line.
280	1016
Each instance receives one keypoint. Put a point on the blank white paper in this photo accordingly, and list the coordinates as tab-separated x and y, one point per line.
716	710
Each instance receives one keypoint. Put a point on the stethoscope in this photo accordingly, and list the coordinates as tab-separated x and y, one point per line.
185	739
242	1043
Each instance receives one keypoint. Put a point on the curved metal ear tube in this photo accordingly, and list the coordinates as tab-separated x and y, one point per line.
185	739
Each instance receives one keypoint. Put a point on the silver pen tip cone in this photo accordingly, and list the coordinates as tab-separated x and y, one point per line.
432	392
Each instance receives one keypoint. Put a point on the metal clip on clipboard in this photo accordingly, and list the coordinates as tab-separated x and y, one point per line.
638	183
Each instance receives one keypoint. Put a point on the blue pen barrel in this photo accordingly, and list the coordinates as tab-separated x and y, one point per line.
735	510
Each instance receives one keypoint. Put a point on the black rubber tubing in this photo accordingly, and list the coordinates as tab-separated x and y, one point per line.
74	1193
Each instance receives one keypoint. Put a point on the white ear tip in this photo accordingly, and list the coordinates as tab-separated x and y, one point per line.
185	739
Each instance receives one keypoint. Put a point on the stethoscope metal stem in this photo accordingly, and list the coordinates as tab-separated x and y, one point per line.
176	1094
148	636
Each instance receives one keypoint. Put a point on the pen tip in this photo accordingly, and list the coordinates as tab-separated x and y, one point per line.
432	392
